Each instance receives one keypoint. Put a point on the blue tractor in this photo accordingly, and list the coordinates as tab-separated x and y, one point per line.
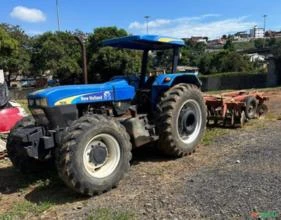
88	131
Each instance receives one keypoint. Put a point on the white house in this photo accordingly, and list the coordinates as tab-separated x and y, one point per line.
257	32
256	57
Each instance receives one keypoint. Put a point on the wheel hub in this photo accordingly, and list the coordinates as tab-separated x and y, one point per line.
188	122
101	155
98	154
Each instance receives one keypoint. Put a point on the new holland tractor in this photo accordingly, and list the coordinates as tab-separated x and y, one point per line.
89	131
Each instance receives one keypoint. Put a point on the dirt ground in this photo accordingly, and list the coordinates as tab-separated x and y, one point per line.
229	175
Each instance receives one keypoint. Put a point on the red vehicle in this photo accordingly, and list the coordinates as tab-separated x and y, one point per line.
10	113
9	116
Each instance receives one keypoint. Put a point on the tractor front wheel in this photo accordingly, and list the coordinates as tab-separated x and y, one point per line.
182	120
95	154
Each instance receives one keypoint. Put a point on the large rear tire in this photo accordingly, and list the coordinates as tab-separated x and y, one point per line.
95	155
15	149
182	120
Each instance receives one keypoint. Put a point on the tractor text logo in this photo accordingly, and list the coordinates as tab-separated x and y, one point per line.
91	98
98	96
107	95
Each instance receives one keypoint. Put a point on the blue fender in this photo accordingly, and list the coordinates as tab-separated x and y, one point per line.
165	81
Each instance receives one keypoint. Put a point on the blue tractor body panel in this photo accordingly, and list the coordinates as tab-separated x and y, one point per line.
112	91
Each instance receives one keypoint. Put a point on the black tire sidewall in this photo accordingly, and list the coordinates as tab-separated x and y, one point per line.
189	95
77	164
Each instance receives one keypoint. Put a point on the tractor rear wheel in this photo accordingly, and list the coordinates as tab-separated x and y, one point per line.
95	154
182	120
17	154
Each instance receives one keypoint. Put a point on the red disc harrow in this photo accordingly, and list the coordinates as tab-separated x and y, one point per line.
235	108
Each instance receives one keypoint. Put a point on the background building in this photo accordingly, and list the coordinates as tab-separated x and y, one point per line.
257	32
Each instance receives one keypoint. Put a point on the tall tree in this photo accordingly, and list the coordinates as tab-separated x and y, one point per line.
108	61
10	54
259	43
57	53
8	45
229	45
103	33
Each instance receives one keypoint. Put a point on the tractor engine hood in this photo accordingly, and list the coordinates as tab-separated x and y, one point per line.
112	91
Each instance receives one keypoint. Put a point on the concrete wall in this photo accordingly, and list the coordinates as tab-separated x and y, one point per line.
237	81
273	78
243	80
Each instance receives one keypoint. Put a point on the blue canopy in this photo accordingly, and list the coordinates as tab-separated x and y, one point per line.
145	42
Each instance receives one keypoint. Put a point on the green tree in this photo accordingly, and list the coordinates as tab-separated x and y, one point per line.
192	52
8	45
271	42
233	62
11	54
58	53
109	61
18	62
259	43
163	59
103	33
206	64
229	45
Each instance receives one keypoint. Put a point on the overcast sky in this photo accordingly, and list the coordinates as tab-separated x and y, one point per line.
177	18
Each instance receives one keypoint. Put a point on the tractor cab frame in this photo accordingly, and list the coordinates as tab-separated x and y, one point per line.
148	43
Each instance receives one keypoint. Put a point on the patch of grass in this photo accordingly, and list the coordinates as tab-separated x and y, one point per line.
211	134
108	214
271	117
22	209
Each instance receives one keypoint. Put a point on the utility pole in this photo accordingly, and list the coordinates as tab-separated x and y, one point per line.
264	28
58	14
81	40
264	22
146	17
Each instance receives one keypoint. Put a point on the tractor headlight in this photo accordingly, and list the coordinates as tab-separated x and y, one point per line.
41	102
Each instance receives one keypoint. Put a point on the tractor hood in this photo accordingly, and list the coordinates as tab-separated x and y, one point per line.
115	90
